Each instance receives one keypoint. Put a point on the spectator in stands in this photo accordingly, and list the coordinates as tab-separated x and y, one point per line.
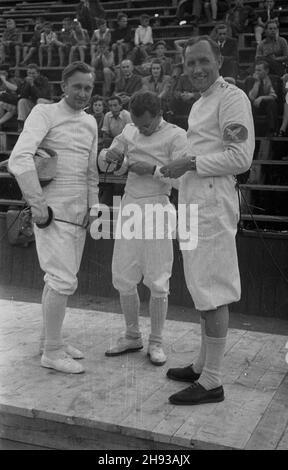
128	82
11	43
185	95
274	49
34	89
80	42
268	14
66	39
216	9
284	124
102	33
166	62
262	95
229	51
158	83
48	43
143	41
115	120
8	95
104	67
88	12
240	18
29	51
97	106
121	38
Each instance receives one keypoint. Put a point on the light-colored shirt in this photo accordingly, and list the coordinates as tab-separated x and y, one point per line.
268	47
221	136
114	126
166	144
143	35
73	135
48	38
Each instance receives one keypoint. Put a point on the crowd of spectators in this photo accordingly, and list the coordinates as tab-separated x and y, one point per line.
126	60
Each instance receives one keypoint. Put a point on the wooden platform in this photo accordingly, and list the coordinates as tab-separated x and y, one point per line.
122	402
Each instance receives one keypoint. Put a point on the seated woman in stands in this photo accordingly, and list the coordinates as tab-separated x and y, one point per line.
102	33
158	82
96	109
284	125
80	42
8	95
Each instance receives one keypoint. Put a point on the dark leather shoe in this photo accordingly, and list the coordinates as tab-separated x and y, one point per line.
196	394
183	374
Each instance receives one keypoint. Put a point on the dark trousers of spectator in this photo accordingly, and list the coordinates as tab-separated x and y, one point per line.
270	109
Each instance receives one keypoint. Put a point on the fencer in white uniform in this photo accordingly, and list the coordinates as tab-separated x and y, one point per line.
221	144
148	143
67	129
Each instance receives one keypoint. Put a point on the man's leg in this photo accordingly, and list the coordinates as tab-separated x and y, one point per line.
216	328
208	388
24	108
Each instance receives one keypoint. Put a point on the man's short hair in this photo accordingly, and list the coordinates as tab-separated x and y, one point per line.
160	43
195	40
115	97
144	16
33	66
142	101
101	21
78	66
121	15
271	22
221	26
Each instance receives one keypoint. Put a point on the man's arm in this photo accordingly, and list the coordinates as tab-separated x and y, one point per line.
93	176
237	131
21	162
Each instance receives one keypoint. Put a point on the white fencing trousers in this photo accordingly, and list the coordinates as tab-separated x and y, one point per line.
60	247
134	258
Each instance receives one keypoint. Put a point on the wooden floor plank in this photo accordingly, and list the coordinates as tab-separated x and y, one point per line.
126	396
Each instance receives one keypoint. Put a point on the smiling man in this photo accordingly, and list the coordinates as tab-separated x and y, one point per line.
221	144
68	130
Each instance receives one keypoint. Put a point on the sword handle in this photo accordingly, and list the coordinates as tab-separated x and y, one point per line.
49	220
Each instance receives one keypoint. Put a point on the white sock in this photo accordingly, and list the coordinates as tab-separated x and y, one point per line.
158	311
200	361
211	374
54	308
130	305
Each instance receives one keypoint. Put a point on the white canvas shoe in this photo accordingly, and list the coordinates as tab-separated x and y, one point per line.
156	354
71	350
125	345
61	361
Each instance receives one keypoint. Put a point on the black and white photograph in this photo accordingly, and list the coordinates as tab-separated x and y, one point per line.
143	228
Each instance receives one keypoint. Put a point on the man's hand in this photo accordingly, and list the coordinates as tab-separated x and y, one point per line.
114	156
142	168
186	96
257	101
40	215
256	76
177	168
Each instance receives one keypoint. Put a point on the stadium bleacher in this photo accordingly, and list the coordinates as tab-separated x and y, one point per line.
259	187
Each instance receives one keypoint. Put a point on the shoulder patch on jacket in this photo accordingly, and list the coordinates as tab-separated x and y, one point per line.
235	133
